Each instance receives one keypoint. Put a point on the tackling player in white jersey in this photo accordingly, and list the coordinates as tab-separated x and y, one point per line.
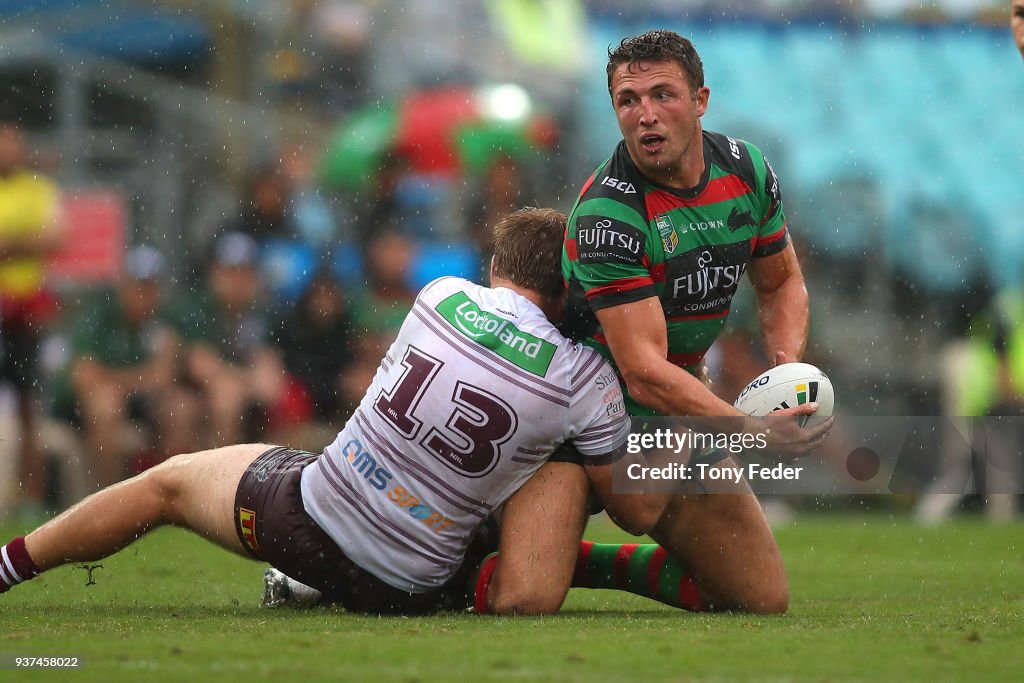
468	403
474	396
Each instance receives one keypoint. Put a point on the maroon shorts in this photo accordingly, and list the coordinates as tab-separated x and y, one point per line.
273	526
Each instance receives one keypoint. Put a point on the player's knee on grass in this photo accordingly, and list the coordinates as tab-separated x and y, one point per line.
526	596
524	601
770	598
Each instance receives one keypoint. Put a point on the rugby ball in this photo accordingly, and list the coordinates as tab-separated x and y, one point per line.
786	386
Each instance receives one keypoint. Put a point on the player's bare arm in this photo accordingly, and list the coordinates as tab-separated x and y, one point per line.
782	304
637	337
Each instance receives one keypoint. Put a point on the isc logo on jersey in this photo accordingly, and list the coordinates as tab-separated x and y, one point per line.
734	147
620	185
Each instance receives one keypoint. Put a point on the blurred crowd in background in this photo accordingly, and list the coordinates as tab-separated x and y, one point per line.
231	205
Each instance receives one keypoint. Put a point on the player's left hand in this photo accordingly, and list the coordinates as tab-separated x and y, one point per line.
787	439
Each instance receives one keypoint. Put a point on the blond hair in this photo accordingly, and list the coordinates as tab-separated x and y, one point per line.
528	250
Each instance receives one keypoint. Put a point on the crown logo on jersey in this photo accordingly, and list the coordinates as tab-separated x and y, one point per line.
669	238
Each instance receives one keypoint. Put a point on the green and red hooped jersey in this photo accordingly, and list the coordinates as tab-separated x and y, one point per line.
629	239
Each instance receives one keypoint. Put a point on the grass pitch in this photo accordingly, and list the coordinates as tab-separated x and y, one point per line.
874	598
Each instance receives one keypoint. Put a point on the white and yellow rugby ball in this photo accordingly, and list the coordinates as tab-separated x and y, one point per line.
786	386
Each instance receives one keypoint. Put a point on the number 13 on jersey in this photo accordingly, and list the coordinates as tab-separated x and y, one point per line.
469	440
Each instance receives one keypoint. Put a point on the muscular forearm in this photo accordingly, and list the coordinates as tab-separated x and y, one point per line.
783	313
637	337
670	390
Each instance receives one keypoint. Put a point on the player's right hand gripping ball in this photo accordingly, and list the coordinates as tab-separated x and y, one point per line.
786	386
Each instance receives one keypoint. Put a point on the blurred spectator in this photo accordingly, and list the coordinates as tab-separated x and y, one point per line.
341	36
380	207
30	231
229	357
1017	23
262	214
125	357
311	218
983	377
428	208
319	343
502	193
281	201
388	297
997	341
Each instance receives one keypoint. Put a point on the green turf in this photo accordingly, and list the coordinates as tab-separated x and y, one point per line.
872	600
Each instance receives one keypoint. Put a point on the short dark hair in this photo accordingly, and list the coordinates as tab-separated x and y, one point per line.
658	46
528	250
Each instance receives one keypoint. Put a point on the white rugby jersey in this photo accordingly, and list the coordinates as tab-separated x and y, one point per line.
471	399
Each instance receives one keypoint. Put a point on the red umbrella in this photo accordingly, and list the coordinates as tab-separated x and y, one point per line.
427	125
443	131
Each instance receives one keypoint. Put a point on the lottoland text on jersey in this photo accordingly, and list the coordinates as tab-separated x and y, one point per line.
861	456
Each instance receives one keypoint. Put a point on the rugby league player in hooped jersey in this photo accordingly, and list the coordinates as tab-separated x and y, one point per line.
657	243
